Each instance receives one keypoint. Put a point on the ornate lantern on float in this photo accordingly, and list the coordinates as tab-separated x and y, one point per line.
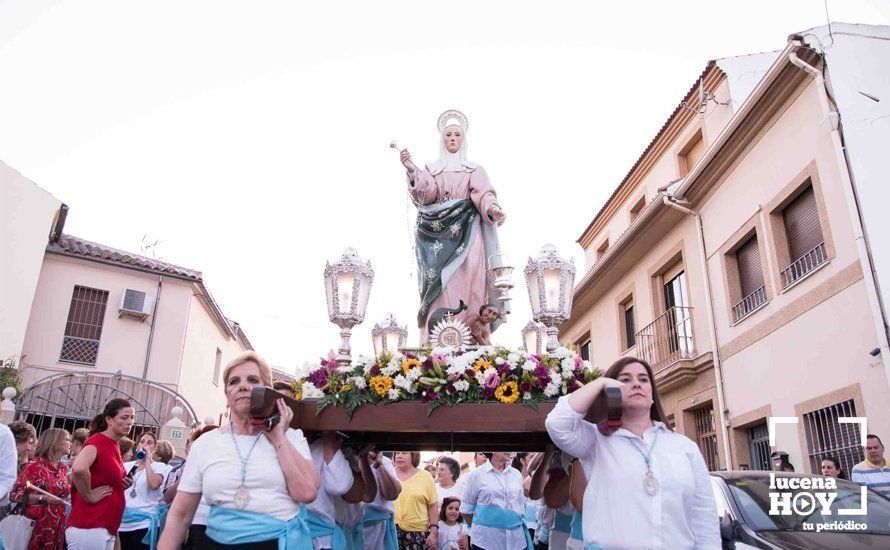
533	337
500	276
388	336
347	284
550	281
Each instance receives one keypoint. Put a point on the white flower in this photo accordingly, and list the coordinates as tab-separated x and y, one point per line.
309	391
413	374
552	389
513	359
393	394
391	369
480	377
457	365
444	351
562	352
489	371
401	382
499	360
556	378
527	396
529	365
461	385
359	382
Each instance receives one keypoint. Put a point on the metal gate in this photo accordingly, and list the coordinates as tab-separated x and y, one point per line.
71	400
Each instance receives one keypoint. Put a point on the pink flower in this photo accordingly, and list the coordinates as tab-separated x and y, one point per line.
492	381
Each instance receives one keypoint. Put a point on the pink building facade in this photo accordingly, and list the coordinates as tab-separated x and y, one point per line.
106	322
735	258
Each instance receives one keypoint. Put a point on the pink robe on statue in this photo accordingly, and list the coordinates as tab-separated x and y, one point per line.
468	283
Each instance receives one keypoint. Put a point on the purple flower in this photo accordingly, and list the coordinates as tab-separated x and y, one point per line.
319	377
428	364
525	386
450	389
492	381
429	395
578	362
543	380
375	370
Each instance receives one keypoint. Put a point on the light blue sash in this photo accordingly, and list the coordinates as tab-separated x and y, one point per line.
355	539
227	526
499	518
576	531
562	523
530	516
320	528
2	546
374	516
155	522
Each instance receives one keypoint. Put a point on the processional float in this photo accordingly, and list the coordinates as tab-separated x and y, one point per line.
455	392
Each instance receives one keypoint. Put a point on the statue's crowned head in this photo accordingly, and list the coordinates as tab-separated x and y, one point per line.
453	126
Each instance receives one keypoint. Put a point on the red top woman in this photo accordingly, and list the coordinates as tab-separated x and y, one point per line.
48	473
99	477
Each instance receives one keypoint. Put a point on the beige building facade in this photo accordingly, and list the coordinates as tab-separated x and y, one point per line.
109	323
731	258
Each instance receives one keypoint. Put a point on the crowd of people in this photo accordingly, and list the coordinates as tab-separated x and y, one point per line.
262	486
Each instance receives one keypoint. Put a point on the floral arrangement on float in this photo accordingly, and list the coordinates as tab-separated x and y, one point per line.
445	376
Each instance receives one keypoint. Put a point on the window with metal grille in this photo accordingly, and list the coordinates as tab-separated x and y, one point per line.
751	284
706	435
84	327
758	445
828	437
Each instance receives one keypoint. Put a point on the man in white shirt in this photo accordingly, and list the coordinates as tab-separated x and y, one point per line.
336	479
495	487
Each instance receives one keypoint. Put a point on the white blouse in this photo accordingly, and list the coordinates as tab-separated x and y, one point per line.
147	500
214	470
618	513
501	489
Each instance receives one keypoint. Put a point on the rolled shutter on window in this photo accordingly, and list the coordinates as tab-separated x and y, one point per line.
802	225
750	269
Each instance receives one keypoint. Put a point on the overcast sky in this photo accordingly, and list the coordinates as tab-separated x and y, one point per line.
251	138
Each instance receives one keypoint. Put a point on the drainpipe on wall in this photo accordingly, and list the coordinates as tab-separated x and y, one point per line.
151	330
712	326
846	173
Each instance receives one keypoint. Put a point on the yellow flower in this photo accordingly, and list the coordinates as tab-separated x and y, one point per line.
407	364
381	384
507	392
482	364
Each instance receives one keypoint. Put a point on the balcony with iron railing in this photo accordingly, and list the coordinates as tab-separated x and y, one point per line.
804	265
668	339
749	304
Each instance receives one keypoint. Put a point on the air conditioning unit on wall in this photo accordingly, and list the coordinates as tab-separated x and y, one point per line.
135	303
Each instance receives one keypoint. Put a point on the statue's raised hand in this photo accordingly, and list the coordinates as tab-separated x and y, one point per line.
405	157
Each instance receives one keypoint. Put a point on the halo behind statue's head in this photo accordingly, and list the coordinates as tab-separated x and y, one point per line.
453	116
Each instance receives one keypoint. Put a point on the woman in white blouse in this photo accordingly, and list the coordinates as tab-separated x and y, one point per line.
648	485
494	503
255	481
143	498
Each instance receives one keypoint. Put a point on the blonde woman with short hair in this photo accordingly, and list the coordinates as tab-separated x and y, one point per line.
257	480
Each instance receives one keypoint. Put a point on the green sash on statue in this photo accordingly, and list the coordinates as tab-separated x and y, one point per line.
444	233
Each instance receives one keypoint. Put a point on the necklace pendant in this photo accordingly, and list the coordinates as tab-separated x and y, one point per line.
133	492
650	484
242	497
